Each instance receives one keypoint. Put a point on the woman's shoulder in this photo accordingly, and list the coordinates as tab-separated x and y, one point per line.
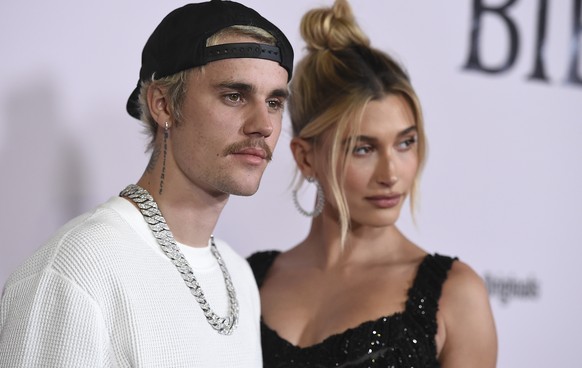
467	319
465	298
463	282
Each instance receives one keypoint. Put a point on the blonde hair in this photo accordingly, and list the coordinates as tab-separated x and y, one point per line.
175	85
332	86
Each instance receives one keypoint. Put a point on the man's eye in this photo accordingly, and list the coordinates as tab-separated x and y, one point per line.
234	97
275	104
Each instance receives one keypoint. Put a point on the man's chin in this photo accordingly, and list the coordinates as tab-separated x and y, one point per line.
242	185
245	193
242	190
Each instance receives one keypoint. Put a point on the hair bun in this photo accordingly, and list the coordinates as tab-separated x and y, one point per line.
333	28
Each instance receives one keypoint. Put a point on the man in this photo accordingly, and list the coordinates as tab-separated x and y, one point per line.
139	281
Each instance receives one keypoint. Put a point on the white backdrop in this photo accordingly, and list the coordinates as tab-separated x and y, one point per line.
501	189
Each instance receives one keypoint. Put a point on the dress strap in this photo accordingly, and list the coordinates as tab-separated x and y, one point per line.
261	262
424	295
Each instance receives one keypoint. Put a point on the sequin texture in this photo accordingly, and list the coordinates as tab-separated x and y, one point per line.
401	340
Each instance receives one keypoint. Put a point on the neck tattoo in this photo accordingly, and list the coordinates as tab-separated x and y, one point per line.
149	209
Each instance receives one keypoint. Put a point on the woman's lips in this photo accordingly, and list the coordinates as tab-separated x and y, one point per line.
385	201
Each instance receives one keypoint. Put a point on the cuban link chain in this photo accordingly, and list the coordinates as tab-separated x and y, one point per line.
151	213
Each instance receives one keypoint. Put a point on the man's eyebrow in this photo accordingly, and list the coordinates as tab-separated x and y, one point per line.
237	86
248	88
280	92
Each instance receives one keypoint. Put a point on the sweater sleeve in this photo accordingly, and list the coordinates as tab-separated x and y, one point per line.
48	321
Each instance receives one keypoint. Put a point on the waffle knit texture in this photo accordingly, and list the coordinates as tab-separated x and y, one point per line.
102	293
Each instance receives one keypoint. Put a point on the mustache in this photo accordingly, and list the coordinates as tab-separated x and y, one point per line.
249	143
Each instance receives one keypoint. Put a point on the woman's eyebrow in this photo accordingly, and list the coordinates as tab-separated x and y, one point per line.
408	130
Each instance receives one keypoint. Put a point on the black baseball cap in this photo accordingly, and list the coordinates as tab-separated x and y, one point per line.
179	42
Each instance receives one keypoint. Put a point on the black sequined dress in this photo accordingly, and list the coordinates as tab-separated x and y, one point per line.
402	340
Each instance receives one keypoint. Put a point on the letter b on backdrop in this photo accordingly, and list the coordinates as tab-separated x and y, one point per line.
480	10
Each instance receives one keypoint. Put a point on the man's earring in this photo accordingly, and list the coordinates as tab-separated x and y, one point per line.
163	175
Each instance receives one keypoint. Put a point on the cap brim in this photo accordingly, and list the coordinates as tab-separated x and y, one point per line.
132	106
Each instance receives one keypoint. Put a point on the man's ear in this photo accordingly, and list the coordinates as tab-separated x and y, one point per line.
158	105
303	153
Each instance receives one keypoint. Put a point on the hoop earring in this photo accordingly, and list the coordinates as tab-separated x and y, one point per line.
163	175
318	204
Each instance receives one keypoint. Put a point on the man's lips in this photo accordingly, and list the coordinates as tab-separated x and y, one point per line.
251	155
251	148
252	151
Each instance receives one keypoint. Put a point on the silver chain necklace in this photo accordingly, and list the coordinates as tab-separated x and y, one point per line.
149	209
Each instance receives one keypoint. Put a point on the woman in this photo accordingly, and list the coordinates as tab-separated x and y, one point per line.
356	292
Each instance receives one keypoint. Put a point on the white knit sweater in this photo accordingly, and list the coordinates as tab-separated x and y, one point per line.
102	293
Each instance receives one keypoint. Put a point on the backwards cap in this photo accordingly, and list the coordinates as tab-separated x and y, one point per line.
179	42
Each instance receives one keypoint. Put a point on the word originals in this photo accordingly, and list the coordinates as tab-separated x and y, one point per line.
480	10
512	288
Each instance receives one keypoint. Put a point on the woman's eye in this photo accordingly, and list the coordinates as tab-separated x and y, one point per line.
362	150
407	143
